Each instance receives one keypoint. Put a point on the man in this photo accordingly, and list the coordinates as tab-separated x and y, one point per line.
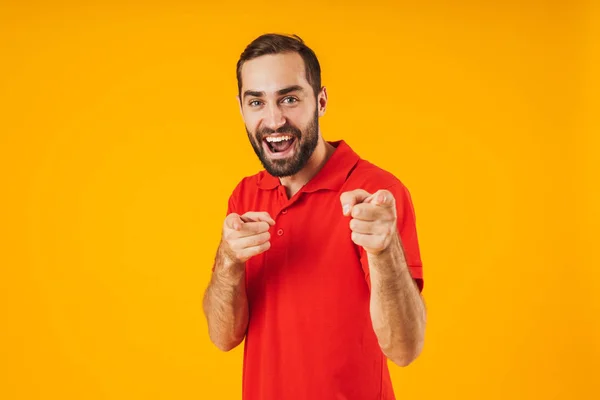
319	266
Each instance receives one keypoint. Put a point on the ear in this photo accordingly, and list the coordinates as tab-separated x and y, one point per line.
322	101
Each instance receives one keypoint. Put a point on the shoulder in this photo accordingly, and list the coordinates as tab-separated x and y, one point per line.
243	193
371	178
247	184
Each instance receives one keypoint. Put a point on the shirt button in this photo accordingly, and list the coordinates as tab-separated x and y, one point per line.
284	211
280	232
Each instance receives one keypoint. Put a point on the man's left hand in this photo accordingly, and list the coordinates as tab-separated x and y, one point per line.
373	222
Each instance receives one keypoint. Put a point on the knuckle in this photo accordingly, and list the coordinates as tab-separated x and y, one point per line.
233	245
240	255
233	251
262	247
254	241
232	216
259	239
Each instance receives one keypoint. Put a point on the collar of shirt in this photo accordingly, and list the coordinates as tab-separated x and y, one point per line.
332	176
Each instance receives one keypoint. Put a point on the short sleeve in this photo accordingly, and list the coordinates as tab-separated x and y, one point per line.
231	205
407	230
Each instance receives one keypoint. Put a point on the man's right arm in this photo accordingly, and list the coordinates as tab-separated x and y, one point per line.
225	302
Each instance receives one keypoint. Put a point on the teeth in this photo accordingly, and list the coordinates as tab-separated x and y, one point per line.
272	139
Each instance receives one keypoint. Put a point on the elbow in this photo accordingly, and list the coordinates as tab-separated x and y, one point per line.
404	355
403	360
226	344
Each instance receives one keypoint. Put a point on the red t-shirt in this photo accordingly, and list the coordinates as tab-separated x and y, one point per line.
310	334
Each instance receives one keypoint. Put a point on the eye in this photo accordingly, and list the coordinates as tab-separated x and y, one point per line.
290	100
254	103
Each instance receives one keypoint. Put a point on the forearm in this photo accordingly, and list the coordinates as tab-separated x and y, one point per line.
226	304
397	309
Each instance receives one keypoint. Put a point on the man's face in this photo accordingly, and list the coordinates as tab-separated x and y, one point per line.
280	112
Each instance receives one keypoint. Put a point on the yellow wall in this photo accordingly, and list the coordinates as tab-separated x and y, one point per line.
114	121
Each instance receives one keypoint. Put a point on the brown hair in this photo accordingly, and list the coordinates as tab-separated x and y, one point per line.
272	43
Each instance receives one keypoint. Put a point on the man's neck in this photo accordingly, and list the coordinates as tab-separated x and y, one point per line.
317	160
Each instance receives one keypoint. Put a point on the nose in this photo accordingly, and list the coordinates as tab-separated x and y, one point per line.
274	118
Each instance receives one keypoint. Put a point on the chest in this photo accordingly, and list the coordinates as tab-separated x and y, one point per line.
311	248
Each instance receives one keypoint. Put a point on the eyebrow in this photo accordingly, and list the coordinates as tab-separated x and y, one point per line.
280	92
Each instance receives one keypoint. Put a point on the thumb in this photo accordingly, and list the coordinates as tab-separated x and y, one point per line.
234	222
351	198
382	198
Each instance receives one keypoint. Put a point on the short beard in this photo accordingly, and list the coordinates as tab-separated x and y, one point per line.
307	141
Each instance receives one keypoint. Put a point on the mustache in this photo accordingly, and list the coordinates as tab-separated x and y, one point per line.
287	128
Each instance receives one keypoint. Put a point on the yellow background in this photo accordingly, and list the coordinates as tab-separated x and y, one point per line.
120	141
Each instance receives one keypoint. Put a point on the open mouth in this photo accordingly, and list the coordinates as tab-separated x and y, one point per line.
279	145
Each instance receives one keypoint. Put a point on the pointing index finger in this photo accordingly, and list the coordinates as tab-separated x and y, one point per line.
257	216
253	228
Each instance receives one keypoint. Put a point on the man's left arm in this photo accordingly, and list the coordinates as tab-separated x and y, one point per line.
397	309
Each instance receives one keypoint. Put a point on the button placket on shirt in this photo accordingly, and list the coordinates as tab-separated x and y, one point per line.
285	204
283	200
280	230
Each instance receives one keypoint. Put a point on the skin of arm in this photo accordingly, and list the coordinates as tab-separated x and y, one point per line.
397	309
225	302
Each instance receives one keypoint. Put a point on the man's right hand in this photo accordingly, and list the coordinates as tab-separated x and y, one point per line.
247	235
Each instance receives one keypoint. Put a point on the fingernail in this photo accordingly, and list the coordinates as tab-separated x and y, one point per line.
346	208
